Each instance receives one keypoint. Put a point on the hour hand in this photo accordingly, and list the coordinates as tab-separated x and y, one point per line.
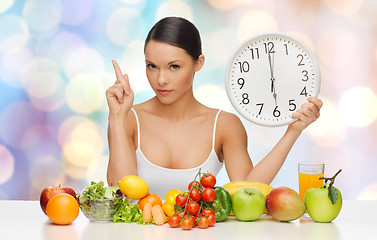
272	84
273	90
275	95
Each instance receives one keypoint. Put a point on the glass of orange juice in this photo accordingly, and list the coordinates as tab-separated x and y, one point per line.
308	176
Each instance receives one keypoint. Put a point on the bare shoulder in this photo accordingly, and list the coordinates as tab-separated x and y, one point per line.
229	120
139	109
230	125
133	121
144	107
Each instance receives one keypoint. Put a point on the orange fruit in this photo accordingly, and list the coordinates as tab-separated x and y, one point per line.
151	198
62	209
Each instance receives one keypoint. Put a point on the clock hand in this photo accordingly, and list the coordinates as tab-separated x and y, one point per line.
271	63
272	78
275	95
271	71
272	84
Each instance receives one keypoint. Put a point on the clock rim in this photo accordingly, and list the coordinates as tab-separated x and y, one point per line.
241	46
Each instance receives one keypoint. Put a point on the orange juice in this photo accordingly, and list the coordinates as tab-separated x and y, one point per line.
306	181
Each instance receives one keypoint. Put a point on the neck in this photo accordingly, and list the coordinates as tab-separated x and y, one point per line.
179	110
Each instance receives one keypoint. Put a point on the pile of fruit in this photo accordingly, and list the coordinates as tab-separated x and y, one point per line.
59	204
284	204
202	205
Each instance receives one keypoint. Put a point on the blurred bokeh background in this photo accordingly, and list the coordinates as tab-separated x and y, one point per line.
55	66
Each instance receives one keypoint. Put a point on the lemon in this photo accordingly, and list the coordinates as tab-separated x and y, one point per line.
133	187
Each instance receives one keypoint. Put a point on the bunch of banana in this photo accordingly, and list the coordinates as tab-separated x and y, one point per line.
233	187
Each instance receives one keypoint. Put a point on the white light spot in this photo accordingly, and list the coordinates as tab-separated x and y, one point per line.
255	22
5	5
358	107
84	61
42	15
174	8
212	96
124	25
84	94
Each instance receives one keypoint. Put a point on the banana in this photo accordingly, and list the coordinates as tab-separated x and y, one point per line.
233	187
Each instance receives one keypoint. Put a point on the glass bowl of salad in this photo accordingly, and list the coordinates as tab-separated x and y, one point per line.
99	203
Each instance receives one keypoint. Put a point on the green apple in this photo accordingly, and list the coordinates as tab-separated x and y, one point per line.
319	205
248	204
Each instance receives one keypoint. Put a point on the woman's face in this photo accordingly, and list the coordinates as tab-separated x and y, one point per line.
170	70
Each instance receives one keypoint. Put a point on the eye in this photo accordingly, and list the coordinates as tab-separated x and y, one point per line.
174	67
151	66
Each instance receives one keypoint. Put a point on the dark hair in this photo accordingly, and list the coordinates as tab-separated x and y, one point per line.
178	32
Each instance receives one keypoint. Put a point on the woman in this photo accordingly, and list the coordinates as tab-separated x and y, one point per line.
167	138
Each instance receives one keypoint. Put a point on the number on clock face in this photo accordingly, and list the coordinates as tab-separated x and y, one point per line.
270	76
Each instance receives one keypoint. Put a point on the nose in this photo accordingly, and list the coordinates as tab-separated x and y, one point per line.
162	79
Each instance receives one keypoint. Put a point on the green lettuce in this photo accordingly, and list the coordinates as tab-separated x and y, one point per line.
129	212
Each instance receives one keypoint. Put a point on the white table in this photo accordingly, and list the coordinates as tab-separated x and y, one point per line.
25	220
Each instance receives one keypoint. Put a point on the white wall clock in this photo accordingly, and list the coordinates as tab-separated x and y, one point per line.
269	77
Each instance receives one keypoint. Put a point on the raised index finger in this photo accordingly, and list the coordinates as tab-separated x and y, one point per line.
118	72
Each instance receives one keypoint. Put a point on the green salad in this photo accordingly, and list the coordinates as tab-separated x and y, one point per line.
100	203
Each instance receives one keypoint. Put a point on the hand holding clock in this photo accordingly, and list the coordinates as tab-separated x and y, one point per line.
307	114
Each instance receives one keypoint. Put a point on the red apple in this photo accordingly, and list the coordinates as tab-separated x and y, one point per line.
284	204
50	192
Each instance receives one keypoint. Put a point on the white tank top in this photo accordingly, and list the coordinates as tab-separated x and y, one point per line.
161	180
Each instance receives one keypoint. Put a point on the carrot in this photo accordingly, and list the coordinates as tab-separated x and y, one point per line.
158	215
147	212
164	215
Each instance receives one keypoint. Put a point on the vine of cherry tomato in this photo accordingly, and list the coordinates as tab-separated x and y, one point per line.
195	205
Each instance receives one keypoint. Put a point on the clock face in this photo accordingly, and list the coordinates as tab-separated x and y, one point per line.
269	77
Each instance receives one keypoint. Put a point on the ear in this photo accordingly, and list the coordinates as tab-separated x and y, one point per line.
199	63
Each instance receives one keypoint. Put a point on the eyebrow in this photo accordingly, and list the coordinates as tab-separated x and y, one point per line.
168	63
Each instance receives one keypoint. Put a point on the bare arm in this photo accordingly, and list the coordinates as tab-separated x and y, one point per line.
122	159
266	170
237	159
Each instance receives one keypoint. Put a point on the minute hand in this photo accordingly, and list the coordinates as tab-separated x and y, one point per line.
272	78
271	62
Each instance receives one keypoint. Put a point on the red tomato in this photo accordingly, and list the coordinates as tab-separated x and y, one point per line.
208	211
208	180
186	224
182	213
203	222
181	200
193	208
212	220
193	220
194	183
209	195
174	221
195	195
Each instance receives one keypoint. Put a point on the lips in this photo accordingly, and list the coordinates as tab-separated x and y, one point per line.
164	91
